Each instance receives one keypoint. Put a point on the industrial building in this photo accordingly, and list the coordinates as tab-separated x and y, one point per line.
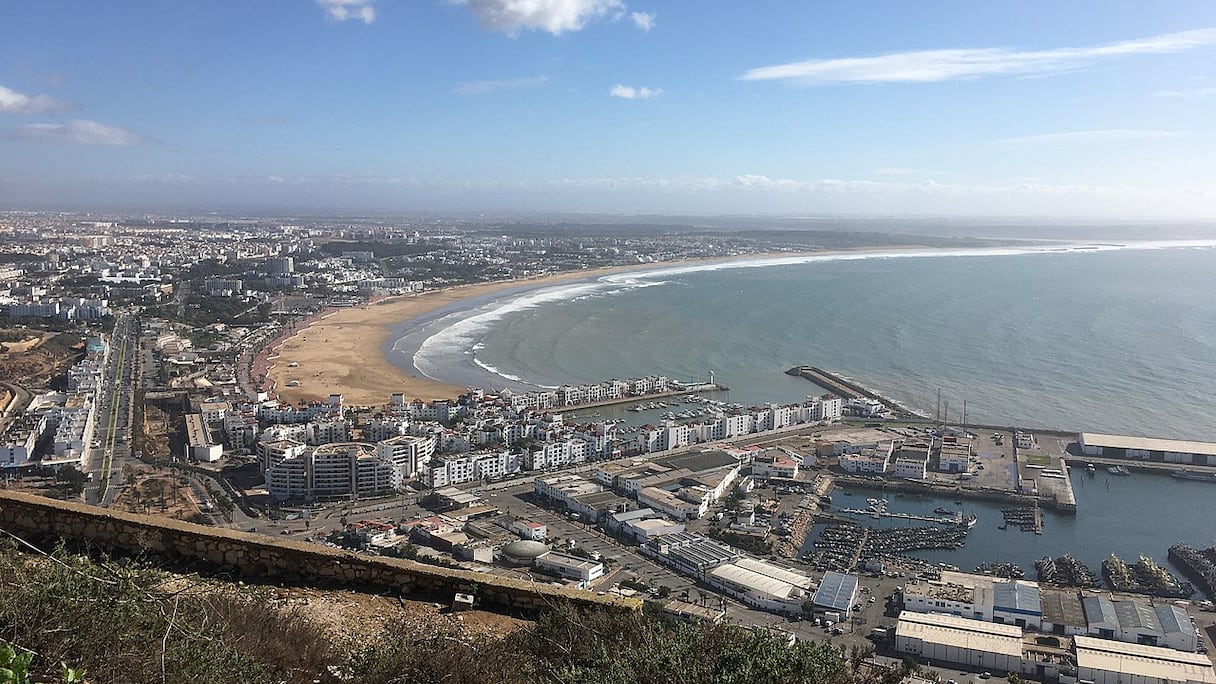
1148	449
962	641
1107	662
836	594
762	585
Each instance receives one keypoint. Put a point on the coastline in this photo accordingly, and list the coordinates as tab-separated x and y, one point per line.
343	349
347	350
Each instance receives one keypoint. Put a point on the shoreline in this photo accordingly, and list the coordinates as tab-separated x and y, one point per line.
347	350
342	349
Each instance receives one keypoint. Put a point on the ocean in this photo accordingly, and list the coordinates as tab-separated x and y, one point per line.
1103	338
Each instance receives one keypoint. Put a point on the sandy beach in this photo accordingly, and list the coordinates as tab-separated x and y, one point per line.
342	351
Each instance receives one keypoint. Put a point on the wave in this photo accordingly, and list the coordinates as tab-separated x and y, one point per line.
458	336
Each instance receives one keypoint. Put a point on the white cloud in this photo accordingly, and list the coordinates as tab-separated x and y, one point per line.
342	10
1197	92
554	16
80	132
1104	134
13	102
643	20
927	66
631	93
487	87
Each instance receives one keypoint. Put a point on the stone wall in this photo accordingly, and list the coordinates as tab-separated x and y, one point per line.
265	558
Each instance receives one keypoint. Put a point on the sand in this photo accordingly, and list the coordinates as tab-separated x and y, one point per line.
342	351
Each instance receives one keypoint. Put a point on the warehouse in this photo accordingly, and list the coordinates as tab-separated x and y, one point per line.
1112	662
950	639
1148	449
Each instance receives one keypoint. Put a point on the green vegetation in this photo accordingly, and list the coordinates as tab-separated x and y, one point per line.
127	621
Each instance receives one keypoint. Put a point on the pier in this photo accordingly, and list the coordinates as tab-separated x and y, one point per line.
848	389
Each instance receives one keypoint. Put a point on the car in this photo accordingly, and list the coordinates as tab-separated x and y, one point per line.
985	675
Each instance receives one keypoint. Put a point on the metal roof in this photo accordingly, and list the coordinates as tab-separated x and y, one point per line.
1063	608
1173	619
1137	615
836	591
1094	439
1015	595
753	581
768	569
949	630
1139	661
1100	610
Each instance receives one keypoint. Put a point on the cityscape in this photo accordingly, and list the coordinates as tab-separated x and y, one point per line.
607	342
147	375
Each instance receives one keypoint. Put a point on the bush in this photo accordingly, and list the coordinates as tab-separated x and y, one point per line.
127	621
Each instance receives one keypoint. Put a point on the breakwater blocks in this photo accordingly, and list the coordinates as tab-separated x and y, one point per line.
255	556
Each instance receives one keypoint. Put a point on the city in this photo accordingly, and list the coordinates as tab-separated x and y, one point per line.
169	405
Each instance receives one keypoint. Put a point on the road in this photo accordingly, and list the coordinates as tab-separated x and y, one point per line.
112	427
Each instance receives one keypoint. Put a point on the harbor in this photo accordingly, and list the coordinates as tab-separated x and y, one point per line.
1078	544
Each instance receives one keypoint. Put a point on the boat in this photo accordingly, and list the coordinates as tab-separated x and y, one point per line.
1185	474
1002	526
1118	470
1090	468
942	510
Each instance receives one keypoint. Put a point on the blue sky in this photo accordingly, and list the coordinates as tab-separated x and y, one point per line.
630	106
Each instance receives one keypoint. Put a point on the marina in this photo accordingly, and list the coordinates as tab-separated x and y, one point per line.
1077	544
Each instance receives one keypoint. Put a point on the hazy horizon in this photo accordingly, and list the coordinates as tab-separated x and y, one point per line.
630	107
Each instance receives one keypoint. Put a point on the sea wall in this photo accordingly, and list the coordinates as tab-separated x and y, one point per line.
263	558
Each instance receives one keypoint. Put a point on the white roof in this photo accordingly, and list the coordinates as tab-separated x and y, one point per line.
1148	444
948	630
769	570
754	581
1149	662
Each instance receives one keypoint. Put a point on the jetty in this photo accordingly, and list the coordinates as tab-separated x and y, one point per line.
849	389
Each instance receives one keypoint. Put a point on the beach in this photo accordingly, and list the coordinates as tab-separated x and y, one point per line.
342	350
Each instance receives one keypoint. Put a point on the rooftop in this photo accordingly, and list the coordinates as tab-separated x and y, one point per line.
753	581
836	590
957	632
1095	439
1143	662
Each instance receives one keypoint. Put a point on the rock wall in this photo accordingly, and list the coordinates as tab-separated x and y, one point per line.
255	556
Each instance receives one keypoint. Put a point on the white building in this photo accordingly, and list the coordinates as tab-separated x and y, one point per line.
407	453
671	505
762	585
332	471
864	462
949	639
1107	662
584	570
199	445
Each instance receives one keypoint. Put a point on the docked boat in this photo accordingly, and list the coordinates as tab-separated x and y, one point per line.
942	510
1201	476
1118	470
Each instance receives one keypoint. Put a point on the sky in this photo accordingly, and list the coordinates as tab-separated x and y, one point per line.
1032	108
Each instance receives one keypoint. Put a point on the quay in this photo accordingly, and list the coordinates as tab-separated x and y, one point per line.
847	389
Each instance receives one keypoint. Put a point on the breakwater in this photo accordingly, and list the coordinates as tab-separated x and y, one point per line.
848	389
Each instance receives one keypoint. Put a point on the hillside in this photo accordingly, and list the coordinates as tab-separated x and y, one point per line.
131	621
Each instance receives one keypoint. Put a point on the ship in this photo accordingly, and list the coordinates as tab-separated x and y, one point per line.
1201	476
